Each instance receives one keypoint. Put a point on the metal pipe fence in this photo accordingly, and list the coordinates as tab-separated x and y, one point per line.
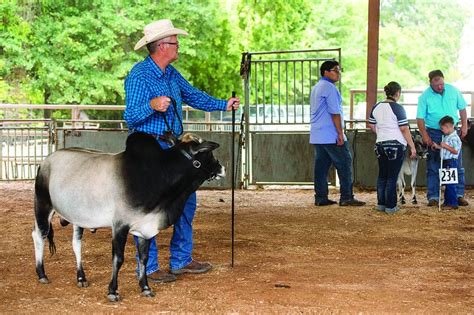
24	145
409	99
76	112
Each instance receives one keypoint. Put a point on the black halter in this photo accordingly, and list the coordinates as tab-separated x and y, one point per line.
197	164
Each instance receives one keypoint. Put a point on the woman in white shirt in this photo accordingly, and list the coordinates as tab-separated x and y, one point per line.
389	121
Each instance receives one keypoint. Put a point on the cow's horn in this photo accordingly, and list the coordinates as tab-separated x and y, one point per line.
190	137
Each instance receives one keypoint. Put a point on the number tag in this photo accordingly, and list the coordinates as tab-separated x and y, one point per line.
448	176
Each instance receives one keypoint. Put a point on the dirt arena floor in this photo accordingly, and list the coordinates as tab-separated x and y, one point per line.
291	257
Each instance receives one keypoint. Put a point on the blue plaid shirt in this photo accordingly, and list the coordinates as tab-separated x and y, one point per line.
146	81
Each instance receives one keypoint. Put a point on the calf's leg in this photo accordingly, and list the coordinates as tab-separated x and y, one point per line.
76	246
401	187
119	239
143	249
414	171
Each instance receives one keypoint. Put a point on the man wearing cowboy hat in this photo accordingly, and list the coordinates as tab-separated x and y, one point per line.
150	87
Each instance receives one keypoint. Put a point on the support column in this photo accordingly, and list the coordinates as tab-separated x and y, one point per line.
372	54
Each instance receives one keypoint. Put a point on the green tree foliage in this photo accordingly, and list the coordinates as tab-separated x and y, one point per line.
417	37
79	52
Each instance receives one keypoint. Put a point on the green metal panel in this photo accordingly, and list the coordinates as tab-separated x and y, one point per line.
365	166
281	158
468	163
107	141
224	155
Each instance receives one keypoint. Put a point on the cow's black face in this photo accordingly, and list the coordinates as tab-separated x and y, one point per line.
204	160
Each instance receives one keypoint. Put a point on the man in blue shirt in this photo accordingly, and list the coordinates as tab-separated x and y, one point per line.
327	135
437	101
150	88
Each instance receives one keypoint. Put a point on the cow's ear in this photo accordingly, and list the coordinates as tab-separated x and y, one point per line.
206	146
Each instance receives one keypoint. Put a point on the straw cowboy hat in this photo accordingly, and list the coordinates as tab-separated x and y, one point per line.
158	30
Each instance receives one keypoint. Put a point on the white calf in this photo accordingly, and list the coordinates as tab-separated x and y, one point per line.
410	168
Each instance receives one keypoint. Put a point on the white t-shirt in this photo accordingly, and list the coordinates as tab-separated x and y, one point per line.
387	118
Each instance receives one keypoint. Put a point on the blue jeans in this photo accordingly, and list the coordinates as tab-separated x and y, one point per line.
390	155
340	156
181	245
433	165
450	195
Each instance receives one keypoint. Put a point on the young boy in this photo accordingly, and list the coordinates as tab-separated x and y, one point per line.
452	146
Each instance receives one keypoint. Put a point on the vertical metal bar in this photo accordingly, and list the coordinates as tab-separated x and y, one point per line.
233	177
256	92
263	90
271	91
318	73
351	108
286	87
28	168
310	89
8	155
41	148
247	123
294	91
302	89
15	170
34	150
279	93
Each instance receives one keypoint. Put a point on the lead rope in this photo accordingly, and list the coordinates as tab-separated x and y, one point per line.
175	114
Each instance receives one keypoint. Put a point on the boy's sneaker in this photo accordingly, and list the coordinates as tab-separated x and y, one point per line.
432	203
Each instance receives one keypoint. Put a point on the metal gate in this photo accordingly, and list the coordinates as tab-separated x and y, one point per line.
277	87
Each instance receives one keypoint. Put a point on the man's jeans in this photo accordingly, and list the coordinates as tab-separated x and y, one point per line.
181	245
433	165
450	195
340	156
390	155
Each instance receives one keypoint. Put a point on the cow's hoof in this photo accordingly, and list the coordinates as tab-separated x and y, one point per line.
113	297
44	280
82	284
414	202
403	202
148	293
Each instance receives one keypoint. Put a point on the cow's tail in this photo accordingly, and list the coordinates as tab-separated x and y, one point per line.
44	208
52	245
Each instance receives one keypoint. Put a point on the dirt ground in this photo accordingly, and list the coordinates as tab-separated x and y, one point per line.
325	259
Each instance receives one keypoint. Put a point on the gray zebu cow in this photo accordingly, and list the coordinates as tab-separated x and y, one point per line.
410	168
139	191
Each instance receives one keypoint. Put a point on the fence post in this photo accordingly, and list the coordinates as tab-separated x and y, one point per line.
75	113
351	108
472	103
